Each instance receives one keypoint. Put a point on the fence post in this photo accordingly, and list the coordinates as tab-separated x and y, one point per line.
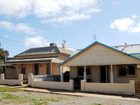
2	77
132	83
20	78
83	85
72	84
30	79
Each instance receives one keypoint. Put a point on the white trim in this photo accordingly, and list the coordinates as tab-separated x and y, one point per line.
111	74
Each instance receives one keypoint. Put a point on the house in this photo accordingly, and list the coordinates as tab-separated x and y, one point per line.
104	69
39	61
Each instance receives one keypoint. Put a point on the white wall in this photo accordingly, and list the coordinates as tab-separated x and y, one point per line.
18	81
53	85
50	84
113	88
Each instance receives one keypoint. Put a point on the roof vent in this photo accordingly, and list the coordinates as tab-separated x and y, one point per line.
52	44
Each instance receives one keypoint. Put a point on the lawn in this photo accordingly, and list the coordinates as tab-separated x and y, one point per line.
17	96
7	96
9	89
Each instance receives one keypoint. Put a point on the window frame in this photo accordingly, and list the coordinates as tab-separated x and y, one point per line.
81	72
127	74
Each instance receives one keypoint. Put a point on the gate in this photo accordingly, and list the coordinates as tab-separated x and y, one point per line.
137	88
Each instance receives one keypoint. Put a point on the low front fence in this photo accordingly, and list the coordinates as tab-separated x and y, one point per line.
49	84
112	88
18	81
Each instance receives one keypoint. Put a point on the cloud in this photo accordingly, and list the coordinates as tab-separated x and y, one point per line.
26	28
122	24
6	25
127	24
113	2
50	11
20	27
35	41
15	8
65	11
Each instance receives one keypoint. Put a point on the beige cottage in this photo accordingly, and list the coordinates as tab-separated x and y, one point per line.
100	68
39	61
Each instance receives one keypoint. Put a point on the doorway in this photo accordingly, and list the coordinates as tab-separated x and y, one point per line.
36	69
77	80
104	74
80	76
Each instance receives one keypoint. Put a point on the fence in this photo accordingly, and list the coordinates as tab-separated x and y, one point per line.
18	81
113	88
49	84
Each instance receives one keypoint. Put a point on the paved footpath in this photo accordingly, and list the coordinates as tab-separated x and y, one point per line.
80	94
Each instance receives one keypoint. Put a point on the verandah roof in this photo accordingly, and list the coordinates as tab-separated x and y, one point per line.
36	60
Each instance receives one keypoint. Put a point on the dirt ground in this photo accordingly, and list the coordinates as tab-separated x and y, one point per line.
35	98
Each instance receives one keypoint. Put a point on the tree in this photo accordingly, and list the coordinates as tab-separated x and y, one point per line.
3	57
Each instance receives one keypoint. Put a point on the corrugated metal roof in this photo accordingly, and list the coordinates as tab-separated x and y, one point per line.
136	55
46	50
66	50
130	49
34	60
40	50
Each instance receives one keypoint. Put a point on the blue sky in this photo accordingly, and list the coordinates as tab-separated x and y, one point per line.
34	23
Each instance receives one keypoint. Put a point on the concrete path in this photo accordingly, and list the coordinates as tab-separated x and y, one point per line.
80	94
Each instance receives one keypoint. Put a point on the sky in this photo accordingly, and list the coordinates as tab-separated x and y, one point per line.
36	23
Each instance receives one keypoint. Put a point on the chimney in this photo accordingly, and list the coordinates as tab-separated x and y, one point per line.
64	44
52	44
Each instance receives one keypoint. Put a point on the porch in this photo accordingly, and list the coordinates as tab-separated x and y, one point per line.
39	66
113	79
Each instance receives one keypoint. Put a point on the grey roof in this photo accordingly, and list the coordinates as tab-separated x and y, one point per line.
130	49
46	50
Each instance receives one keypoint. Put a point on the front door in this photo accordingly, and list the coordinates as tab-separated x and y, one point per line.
36	69
77	80
103	74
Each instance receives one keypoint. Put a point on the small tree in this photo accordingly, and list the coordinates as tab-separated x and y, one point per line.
3	57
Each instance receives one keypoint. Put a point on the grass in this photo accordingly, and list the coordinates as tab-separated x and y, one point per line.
9	89
7	98
95	104
42	101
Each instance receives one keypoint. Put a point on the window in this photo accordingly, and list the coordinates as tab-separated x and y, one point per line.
36	69
81	70
23	70
88	70
48	71
127	70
